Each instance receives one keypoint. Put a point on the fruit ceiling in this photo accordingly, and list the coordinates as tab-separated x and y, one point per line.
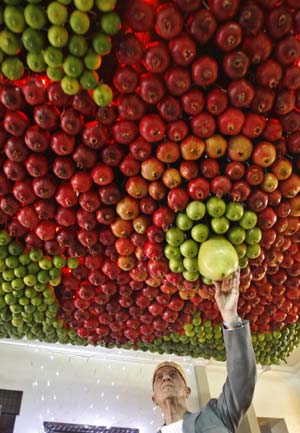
131	132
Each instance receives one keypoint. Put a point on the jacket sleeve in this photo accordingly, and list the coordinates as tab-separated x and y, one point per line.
238	389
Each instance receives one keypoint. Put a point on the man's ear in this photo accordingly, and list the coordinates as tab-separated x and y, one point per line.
153	399
188	391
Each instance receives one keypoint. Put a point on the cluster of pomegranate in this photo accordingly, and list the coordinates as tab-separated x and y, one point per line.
206	102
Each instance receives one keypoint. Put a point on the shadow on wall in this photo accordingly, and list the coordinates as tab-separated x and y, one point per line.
272	425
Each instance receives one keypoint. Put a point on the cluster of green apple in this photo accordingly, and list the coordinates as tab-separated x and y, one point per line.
27	298
65	38
202	220
202	339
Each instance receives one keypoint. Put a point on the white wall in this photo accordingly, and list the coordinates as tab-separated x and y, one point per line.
277	394
83	389
111	387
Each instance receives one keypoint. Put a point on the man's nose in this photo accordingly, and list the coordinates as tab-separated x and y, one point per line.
166	377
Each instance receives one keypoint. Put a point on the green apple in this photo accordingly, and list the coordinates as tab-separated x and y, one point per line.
4	238
207	281
215	207
196	210
183	222
15	248
17	284
36	301
241	250
43	277
72	263
200	232
234	211
30	280
236	235
8	275
24	259
171	252
59	261
176	265
253	251
20	271
3	251
190	276
33	268
189	248
191	264
253	236
2	265
36	255
220	225
45	263
243	262
174	237
54	273
248	220
11	262
217	258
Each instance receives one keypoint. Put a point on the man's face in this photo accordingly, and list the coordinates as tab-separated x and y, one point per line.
169	384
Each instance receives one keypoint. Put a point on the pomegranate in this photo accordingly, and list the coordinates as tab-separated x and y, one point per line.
45	209
192	102
44	186
258	48
14	170
37	139
224	10
84	103
34	91
139	16
63	167
11	97
152	128
131	107
268	73
156	58
204	71
89	201
151	88
129	50
168	21
279	22
15	123
228	36
71	121
231	121
15	149
241	92
84	157
183	49
46	116
236	64
62	143
201	25
94	134
254	125
23	191
125	131
251	18
169	108
216	101
57	96
140	149
126	79
263	100
177	80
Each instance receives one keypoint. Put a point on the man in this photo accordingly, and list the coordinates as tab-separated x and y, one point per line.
222	415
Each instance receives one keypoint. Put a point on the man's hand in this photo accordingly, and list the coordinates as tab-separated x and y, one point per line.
227	295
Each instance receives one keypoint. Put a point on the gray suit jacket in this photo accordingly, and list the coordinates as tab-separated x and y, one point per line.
224	414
